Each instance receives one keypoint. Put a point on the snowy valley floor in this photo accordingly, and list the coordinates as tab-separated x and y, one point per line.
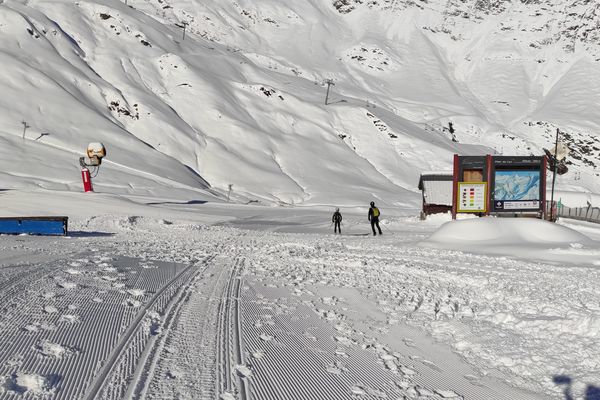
151	308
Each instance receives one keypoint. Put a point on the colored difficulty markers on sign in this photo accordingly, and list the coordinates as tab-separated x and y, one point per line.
472	197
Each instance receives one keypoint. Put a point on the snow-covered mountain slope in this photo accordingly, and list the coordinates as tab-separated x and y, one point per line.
240	100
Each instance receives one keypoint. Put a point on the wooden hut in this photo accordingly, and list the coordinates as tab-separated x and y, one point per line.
436	188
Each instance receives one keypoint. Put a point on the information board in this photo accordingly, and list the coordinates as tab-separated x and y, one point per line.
517	190
472	197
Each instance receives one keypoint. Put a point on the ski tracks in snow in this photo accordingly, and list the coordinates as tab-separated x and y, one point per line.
190	312
133	316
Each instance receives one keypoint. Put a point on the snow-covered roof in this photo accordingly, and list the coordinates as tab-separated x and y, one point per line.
435	173
437	192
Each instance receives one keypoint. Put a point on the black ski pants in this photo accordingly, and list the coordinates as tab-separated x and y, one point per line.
337	227
375	222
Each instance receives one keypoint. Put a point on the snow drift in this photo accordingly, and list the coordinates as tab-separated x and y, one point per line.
517	237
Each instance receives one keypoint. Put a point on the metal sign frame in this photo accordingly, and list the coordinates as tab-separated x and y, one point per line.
488	165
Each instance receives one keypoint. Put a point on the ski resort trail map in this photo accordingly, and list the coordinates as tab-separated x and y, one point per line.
129	310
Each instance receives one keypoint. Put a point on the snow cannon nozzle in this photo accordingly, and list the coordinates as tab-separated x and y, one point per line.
95	152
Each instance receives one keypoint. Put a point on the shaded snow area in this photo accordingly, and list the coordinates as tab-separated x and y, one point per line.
145	308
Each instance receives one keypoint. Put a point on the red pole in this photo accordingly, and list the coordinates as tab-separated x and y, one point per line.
87	180
455	187
489	184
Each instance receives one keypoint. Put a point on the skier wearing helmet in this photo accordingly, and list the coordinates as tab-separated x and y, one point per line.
374	218
337	220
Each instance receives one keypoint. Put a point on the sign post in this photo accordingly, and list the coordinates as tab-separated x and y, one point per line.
554	176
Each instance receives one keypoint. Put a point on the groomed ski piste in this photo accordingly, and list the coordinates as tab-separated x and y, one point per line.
224	301
204	265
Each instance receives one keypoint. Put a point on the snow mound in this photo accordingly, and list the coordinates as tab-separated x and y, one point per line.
53	350
26	383
505	231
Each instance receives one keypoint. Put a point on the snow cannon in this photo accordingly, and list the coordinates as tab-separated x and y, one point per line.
95	153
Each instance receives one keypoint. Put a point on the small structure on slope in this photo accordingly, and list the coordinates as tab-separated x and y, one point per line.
436	188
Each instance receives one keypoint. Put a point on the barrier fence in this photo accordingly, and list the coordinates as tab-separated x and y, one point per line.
589	214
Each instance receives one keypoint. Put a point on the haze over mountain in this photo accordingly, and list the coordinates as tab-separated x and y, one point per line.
240	100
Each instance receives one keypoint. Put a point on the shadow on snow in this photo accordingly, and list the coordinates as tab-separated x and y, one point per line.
591	392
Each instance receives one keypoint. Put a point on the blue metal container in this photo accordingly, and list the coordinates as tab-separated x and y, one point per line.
52	226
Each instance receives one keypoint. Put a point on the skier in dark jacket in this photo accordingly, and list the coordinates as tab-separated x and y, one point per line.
337	220
374	218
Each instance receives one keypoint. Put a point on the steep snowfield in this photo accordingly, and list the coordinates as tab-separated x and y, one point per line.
240	101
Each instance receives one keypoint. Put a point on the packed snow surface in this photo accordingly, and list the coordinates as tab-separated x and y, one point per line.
210	301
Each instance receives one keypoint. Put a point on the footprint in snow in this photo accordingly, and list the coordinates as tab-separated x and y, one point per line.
332	369
337	368
344	341
132	303
341	353
431	365
447	394
26	383
474	380
243	371
227	396
77	264
49	349
136	292
407	371
423	392
31	328
69	318
404	384
266	338
67	285
391	365
37	326
72	271
258	354
358	390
